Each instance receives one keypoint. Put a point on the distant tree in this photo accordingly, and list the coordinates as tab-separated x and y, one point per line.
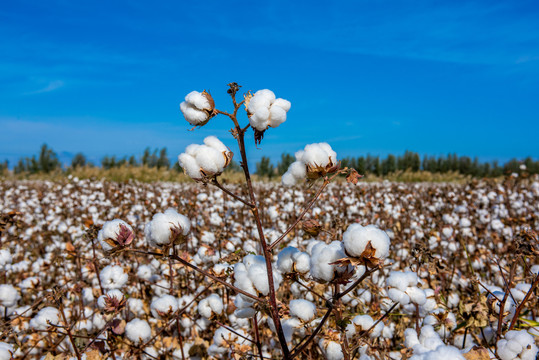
163	160
286	160
79	160
133	161
146	157
48	160
108	162
389	164
264	167
361	165
4	166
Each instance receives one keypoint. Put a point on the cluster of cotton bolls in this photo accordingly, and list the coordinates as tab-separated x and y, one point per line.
265	110
202	162
128	302
314	161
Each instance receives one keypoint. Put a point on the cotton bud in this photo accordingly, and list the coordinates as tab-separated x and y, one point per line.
368	243
313	162
198	108
311	227
167	228
265	111
115	234
204	162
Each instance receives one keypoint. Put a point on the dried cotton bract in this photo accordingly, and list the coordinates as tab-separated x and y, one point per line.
115	234
198	108
313	162
204	162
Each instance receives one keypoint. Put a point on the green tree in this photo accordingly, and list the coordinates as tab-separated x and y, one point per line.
264	167
79	160
48	160
163	160
286	160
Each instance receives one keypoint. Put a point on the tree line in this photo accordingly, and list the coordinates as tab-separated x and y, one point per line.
47	160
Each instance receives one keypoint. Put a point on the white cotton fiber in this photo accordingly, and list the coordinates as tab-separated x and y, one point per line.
211	158
198	100
110	230
265	110
138	331
9	296
322	256
215	143
163	306
159	231
45	318
189	165
303	309
356	238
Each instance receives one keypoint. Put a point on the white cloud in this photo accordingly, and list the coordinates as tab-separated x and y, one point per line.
53	85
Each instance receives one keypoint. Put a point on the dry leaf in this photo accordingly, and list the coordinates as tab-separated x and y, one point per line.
477	353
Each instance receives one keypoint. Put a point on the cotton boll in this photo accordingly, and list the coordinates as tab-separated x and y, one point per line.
322	256
5	258
303	309
314	156
210	160
9	296
517	345
277	116
189	165
159	232
284	259
260	119
45	318
111	231
209	305
193	115
332	350
302	262
113	277
288	179
283	104
215	143
356	238
198	100
138	331
6	351
260	99
164	306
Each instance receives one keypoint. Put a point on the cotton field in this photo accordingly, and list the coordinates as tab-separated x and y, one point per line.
95	269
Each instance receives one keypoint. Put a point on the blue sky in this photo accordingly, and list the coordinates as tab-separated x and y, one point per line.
366	76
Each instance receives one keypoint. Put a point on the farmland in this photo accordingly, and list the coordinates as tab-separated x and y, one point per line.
469	250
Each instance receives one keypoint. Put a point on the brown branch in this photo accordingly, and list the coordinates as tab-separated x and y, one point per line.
216	183
521	305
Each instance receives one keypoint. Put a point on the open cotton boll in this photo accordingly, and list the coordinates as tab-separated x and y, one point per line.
45	318
277	116
321	257
9	296
5	258
215	143
210	160
6	351
138	331
314	155
164	306
209	305
166	228
303	309
198	107
198	100
288	179
282	103
115	233
518	345
113	277
189	164
357	237
363	323
193	115
332	350
284	259
113	295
